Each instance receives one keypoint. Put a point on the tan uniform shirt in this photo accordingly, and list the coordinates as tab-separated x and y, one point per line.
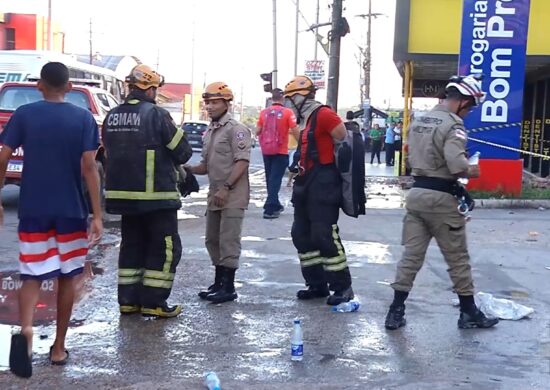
437	148
226	142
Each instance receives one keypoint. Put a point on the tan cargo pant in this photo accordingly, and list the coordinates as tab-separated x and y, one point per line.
223	236
450	233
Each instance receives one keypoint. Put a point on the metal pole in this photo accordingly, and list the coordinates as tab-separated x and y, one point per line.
334	57
296	37
49	25
316	39
368	54
274	77
192	72
91	52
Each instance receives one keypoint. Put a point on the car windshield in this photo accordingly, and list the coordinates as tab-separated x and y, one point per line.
194	128
11	98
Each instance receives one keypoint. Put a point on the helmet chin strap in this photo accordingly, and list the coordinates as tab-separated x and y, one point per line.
299	116
461	107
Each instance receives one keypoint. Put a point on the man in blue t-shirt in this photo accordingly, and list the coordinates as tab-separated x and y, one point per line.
60	142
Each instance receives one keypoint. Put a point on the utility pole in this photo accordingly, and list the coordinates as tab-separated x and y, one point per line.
192	103
296	37
316	38
158	60
91	48
274	79
367	60
49	25
367	52
334	55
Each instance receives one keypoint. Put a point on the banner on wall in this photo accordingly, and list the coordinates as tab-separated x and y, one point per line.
493	43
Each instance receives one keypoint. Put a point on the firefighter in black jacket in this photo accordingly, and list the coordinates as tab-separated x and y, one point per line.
143	148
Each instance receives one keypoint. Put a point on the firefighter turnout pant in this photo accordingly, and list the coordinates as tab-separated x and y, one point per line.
449	231
315	231
149	254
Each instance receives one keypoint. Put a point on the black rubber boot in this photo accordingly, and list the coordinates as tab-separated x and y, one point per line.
476	319
226	292
396	317
214	287
340	297
313	292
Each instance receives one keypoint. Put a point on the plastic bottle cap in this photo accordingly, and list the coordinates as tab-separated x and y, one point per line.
296	321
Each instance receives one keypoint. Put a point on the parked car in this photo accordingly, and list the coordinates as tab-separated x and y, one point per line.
194	131
13	95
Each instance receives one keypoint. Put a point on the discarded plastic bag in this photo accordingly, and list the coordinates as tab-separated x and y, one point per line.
504	309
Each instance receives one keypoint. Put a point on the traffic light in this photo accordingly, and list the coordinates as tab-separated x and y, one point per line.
268	77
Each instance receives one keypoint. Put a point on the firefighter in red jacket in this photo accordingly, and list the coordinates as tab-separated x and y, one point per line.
317	197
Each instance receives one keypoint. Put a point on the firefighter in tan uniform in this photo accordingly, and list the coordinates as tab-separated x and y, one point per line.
225	158
437	157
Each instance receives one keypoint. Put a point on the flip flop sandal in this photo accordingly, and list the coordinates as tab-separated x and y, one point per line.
20	361
59	362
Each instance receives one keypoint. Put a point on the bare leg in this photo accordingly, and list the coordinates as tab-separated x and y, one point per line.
28	297
65	300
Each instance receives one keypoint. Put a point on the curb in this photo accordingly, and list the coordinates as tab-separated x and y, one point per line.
512	204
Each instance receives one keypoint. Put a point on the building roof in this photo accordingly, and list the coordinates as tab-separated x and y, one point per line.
105	61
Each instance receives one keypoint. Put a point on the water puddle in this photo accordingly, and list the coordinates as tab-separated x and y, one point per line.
372	252
45	312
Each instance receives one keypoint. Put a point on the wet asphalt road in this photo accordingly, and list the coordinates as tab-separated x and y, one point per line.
247	342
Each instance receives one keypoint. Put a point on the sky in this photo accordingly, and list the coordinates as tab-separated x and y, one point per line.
230	40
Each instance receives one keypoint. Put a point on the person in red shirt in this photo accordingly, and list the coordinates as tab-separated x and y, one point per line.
317	197
274	126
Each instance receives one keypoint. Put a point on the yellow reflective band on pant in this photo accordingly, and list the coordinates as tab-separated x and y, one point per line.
157	283
149	193
130	271
309	255
169	253
336	238
336	267
309	263
334	260
159	275
175	140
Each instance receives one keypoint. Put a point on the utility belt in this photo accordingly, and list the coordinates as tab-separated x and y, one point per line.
453	187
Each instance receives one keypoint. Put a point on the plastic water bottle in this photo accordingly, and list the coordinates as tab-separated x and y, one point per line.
346	307
211	381
474	160
296	342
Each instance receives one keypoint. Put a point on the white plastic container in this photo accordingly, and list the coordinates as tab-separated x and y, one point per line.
296	342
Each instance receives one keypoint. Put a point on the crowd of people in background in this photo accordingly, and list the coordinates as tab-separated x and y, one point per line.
388	139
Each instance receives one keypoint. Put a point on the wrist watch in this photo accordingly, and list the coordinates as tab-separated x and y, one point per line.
228	186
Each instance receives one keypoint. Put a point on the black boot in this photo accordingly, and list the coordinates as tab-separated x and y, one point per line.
313	292
341	296
396	317
475	319
226	292
214	287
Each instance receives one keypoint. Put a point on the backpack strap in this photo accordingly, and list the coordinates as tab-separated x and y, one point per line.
312	152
